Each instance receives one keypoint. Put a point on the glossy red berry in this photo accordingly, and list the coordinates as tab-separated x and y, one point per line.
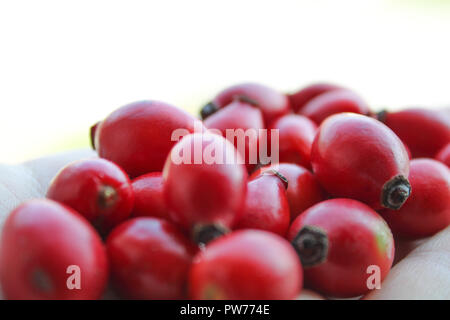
296	135
247	264
303	189
266	205
336	101
240	123
427	210
444	155
150	259
44	247
96	188
272	103
303	96
357	157
337	241
424	131
138	136
148	196
204	184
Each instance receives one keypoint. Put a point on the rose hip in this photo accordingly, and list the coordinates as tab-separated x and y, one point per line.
337	240
333	102
271	102
427	210
245	118
357	157
138	136
303	189
247	264
150	259
424	131
296	135
266	205
444	155
43	245
204	184
96	188
148	196
303	96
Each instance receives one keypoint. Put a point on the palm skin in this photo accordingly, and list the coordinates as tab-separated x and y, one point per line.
421	270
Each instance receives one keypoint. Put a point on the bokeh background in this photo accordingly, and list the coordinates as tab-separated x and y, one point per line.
66	64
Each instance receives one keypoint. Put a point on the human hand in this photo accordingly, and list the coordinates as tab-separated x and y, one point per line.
422	269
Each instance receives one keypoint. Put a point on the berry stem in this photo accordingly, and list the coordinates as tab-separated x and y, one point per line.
381	116
395	192
208	110
92	134
247	100
107	197
311	244
205	233
283	179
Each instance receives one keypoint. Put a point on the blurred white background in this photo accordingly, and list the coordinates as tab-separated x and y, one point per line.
66	64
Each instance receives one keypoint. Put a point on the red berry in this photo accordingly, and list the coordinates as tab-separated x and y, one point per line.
247	264
337	240
138	136
93	131
43	246
424	131
336	101
303	96
206	187
427	210
303	189
150	259
96	188
240	115
271	102
296	135
357	157
444	155
266	205
148	196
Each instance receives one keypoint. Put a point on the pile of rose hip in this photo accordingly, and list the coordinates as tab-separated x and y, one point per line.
196	221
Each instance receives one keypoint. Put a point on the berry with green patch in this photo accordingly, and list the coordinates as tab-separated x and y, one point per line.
337	241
